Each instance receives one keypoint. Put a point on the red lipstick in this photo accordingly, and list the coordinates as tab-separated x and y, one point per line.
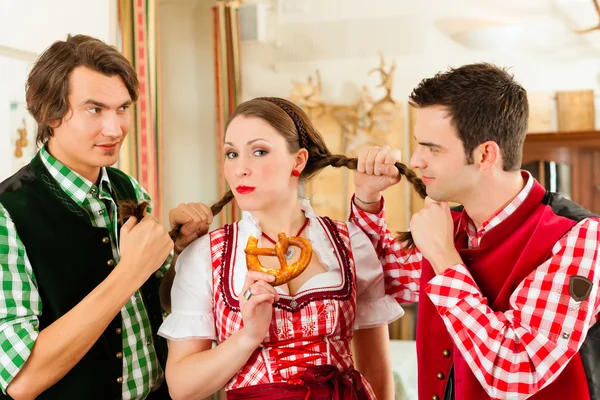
244	189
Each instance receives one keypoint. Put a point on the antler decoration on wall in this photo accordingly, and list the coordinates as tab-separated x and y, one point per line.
387	79
595	27
308	94
387	83
359	120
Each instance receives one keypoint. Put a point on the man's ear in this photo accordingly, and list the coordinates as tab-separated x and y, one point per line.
487	154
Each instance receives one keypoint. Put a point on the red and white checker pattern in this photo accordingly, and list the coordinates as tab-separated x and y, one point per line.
318	333
515	353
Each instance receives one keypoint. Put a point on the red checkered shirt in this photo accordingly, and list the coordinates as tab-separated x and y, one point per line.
511	353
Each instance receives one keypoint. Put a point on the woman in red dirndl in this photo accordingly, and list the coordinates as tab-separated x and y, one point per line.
292	341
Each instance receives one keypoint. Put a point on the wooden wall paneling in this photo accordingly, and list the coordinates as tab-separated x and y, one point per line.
596	182
585	179
575	178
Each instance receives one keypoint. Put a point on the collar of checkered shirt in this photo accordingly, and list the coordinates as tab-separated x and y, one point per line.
74	185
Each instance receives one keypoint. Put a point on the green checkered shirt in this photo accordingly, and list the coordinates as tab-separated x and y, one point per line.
20	303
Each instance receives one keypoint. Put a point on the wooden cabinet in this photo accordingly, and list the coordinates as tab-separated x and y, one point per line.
580	151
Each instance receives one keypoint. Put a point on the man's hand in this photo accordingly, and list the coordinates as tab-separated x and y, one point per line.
194	220
375	172
432	230
144	244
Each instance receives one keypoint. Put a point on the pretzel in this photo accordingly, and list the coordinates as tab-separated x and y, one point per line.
287	272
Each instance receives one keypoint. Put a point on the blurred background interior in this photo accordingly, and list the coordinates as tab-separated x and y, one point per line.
350	64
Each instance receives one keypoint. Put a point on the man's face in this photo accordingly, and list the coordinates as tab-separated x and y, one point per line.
92	131
440	157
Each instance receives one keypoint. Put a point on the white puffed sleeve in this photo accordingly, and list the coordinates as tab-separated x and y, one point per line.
191	295
373	306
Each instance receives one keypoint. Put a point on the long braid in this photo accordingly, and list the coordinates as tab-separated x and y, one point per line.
218	206
319	158
130	208
339	160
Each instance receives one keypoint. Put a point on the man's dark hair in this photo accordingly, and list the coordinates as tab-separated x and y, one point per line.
485	104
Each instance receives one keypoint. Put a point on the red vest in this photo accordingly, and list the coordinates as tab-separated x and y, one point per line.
507	254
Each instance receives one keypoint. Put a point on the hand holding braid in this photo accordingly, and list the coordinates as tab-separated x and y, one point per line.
351	163
129	208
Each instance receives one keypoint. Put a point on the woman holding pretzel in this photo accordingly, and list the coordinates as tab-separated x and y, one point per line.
279	338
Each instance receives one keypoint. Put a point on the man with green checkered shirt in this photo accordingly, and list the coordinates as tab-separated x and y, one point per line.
79	305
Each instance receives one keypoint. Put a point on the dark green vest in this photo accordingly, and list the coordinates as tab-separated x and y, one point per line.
70	257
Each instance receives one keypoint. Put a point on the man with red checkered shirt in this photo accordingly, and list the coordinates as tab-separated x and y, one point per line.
507	283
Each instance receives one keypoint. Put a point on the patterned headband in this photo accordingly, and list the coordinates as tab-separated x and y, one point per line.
293	115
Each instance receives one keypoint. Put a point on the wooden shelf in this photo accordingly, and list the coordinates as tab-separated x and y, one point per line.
581	150
558	146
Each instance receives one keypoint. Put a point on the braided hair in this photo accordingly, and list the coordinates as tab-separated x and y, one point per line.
298	131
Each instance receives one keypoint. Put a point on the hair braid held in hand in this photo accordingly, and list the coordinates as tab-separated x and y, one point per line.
138	210
338	161
292	123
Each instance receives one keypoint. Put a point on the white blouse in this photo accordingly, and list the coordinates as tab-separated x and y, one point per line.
192	292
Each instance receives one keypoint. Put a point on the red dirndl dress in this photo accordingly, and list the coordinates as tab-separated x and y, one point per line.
306	353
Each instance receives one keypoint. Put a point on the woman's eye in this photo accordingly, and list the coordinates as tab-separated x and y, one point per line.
260	153
230	154
93	110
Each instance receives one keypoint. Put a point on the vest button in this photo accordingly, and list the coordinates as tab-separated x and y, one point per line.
440	376
118	331
110	263
435	397
105	240
119	355
446	353
120	379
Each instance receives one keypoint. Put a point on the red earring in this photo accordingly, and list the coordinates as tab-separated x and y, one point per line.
295	173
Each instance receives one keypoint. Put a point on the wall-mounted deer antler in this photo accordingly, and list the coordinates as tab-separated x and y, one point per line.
308	94
387	78
593	28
